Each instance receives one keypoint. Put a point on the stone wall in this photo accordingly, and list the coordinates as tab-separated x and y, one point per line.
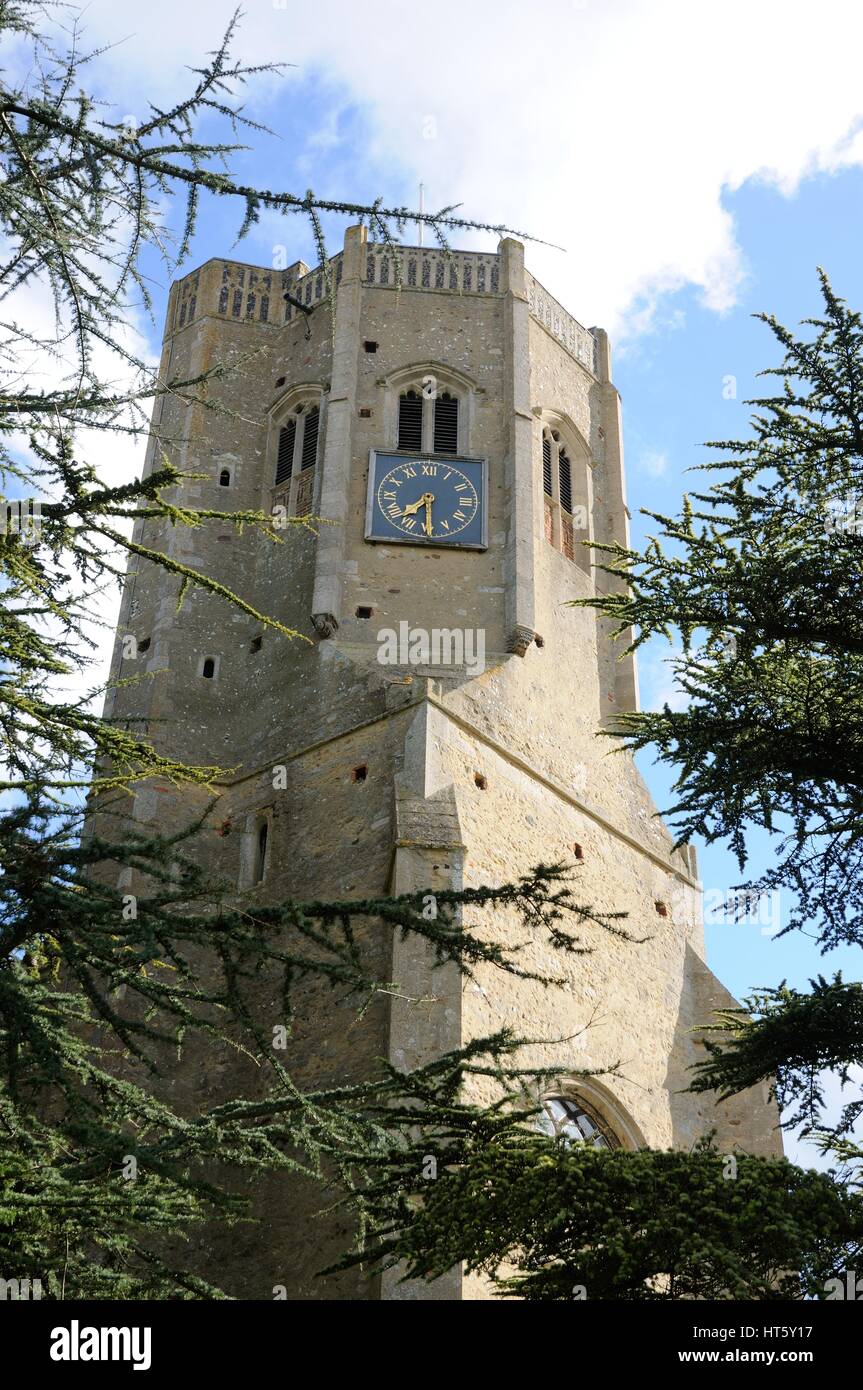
469	778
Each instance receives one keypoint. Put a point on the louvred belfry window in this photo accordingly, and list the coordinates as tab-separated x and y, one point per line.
410	422
565	468
285	459
296	459
564	484
546	466
446	424
309	456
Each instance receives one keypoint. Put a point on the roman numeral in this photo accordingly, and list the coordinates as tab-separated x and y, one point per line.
459	516
394	509
445	525
408	471
410	523
430	470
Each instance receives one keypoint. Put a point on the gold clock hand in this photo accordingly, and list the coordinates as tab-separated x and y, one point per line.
413	507
428	498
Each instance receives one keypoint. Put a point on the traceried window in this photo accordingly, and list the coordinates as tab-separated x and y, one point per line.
574	1121
296	458
428	419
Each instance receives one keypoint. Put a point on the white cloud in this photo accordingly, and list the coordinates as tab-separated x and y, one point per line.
611	128
653	462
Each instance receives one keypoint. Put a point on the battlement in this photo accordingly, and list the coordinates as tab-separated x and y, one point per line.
244	293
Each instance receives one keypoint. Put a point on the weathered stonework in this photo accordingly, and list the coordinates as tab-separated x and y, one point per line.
469	779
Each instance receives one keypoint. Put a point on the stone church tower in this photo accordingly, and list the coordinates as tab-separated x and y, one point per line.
459	432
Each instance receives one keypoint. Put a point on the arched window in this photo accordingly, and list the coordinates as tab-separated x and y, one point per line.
208	670
574	1121
566	491
410	437
225	478
296	458
428	420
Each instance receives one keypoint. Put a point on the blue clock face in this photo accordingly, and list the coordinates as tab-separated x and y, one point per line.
426	500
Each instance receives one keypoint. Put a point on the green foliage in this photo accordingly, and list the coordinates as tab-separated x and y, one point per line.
545	1221
100	985
762	579
82	200
793	1041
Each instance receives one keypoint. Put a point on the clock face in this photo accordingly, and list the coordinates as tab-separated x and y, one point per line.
426	500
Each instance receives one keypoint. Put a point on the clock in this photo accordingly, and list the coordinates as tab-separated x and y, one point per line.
427	499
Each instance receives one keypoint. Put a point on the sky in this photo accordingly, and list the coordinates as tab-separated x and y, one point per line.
694	162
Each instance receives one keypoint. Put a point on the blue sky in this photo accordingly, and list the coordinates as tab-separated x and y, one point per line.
696	163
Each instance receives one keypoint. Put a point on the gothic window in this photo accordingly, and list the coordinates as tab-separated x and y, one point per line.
265	307
225	478
565	486
237	304
574	1121
410	421
412	272
438	275
446	424
297	457
192	305
223	300
430	415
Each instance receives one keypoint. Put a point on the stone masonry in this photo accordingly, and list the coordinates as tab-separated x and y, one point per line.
402	776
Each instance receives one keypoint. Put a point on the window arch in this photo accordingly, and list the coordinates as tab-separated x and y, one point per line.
296	438
429	408
225	477
567	496
573	1120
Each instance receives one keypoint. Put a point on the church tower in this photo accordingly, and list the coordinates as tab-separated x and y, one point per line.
436	723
